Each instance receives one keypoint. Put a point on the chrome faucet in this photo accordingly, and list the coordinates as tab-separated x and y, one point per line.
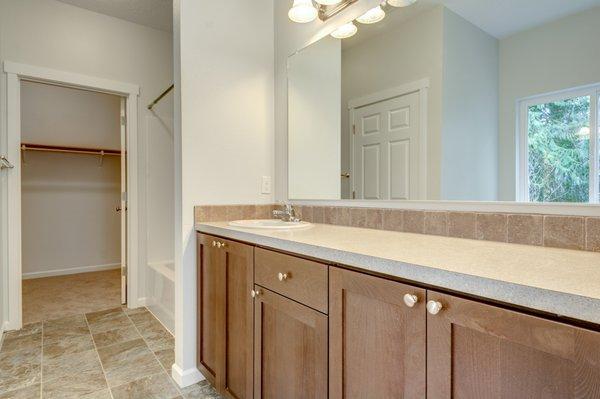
287	214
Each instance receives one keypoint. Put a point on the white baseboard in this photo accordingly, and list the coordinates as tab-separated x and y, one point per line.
187	377
71	270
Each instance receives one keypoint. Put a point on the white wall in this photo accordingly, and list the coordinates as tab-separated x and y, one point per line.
55	35
409	52
469	165
314	87
559	55
69	222
224	140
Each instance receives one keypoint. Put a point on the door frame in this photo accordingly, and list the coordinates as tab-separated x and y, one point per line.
420	86
14	73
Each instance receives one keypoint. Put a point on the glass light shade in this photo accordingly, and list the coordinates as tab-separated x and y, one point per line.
328	2
345	31
303	11
401	3
372	16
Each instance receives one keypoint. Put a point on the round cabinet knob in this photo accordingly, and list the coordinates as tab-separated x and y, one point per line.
222	245
214	243
434	307
410	300
255	293
282	276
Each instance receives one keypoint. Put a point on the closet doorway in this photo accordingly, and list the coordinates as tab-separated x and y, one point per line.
71	248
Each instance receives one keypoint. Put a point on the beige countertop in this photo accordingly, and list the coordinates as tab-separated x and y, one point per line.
559	281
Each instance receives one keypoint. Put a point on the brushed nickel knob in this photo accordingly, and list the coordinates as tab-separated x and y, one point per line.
434	307
282	276
222	245
410	300
214	243
255	293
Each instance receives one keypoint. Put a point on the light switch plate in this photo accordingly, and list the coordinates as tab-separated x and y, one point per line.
265	188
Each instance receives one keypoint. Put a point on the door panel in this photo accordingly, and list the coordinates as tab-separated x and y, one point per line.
376	342
210	344
290	349
239	320
386	149
481	351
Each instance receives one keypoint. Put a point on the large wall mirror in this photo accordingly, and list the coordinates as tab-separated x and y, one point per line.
451	100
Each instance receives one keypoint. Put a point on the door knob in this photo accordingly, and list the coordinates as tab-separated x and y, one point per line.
410	300
255	293
4	164
434	307
118	209
282	276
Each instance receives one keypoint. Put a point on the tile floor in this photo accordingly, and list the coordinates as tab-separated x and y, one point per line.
116	353
54	297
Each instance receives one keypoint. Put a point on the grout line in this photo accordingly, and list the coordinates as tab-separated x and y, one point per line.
42	362
151	351
98	355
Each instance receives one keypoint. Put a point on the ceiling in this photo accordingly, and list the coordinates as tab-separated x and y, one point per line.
156	14
502	18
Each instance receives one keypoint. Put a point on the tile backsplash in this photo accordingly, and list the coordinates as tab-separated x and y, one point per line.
571	232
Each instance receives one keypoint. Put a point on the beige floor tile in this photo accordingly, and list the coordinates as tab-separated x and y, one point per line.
71	364
156	386
20	369
66	322
127	362
21	342
102	394
166	357
111	319
74	385
28	329
68	345
30	392
201	390
116	336
54	297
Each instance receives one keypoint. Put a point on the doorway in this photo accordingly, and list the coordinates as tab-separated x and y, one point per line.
113	167
389	144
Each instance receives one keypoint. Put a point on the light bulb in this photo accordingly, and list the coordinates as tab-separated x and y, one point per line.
303	11
373	15
345	31
328	2
401	3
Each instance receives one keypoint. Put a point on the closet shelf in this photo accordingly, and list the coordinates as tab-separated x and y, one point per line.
72	150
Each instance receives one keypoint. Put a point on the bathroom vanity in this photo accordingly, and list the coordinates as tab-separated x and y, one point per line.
332	311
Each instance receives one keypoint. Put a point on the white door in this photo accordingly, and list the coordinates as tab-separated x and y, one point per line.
386	149
123	206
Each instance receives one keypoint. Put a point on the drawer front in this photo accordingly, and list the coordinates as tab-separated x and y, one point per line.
302	280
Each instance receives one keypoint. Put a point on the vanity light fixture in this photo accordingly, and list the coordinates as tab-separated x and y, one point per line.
372	16
303	11
401	3
328	2
345	31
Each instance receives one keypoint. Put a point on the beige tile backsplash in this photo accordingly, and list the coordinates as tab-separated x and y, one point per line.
571	232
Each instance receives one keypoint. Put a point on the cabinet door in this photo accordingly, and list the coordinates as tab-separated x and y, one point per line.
482	351
376	342
209	320
238	311
290	344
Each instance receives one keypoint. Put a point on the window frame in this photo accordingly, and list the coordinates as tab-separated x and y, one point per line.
593	91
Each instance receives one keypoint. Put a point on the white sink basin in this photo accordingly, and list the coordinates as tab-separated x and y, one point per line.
269	224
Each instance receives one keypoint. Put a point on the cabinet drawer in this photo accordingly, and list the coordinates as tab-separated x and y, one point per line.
302	280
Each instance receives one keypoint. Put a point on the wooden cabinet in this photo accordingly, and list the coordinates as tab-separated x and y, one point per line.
290	356
225	320
376	341
323	331
481	351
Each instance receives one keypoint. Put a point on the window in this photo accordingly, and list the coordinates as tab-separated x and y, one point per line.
558	147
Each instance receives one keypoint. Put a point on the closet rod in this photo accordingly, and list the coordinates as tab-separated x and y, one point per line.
71	150
164	93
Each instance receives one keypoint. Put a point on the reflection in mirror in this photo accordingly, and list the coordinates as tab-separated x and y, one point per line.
451	100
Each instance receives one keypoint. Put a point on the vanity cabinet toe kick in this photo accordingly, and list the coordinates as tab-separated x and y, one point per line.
274	325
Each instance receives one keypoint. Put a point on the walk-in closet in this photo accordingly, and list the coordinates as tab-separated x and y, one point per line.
72	193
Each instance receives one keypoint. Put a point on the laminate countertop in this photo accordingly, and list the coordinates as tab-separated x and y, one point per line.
557	281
